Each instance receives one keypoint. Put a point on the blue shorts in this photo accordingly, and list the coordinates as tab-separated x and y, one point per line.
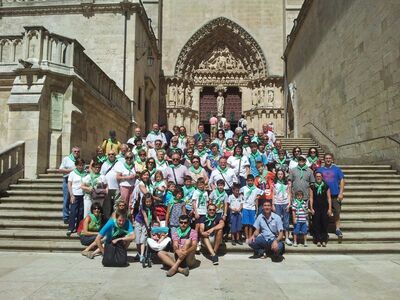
236	222
300	228
248	216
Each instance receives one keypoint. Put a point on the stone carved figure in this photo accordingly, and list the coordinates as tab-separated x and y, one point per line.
270	96
188	96
292	90
172	95
181	95
220	104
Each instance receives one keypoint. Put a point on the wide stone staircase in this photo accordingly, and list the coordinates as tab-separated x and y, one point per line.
31	219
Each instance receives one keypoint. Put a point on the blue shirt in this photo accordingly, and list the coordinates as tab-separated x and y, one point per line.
253	163
108	229
274	223
332	176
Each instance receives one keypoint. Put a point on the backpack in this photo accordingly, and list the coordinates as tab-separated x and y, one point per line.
115	255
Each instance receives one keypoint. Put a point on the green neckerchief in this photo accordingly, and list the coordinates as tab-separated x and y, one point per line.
302	169
319	187
94	224
198	171
79	173
111	162
174	149
139	161
160	163
101	158
183	234
281	162
201	136
201	154
239	157
112	143
155	132
250	191
202	199
149	215
282	186
220	196
72	157
312	160
209	220
93	179
172	166
181	136
152	171
263	176
148	186
230	148
118	231
188	191
255	155
245	146
129	167
222	171
299	204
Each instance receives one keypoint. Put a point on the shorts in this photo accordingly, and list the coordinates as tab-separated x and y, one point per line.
140	233
336	207
248	216
300	228
236	222
87	240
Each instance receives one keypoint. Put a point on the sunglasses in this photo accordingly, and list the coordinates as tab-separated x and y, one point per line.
77	151
150	162
96	208
129	157
211	209
111	154
183	222
175	159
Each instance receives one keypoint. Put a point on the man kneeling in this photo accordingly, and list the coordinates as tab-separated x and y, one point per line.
268	234
211	231
184	242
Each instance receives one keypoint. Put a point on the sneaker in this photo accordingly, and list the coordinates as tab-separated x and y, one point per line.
324	244
256	255
288	242
69	232
233	242
185	272
141	259
66	221
214	260
339	233
318	244
239	242
305	245
90	255
294	244
198	248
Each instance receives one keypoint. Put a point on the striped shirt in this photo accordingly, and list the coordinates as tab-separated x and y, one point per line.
301	211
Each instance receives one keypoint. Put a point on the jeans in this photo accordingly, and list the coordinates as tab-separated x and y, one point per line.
66	199
280	210
76	213
260	245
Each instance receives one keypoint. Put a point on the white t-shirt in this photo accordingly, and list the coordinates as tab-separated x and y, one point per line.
234	162
229	176
76	183
67	163
111	176
220	202
293	164
281	197
120	168
201	207
235	202
249	199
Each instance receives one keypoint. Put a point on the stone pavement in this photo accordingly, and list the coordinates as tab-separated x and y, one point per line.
71	276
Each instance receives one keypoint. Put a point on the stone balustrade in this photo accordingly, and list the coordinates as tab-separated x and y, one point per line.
12	161
40	49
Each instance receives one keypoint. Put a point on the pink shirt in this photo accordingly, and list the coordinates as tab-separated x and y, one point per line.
181	242
213	121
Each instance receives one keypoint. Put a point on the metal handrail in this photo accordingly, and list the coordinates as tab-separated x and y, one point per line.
356	142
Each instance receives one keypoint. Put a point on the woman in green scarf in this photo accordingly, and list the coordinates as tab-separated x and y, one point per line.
89	228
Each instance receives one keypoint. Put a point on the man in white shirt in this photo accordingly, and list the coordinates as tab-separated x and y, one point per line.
154	135
226	174
67	165
108	170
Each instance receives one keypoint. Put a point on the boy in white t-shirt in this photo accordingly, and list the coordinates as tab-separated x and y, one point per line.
199	204
250	198
235	202
219	197
95	187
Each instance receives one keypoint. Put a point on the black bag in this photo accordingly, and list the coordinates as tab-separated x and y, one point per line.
115	255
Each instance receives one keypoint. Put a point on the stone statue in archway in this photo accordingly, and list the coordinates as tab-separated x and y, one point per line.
172	95
220	104
188	96
181	94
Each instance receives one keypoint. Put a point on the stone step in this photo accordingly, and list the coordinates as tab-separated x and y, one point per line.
358	194
366	167
369	208
35	193
43	207
370	176
370	172
40	180
377	217
44	234
372	181
355	226
376	187
37	186
332	248
31	215
24	224
51	175
33	199
361	201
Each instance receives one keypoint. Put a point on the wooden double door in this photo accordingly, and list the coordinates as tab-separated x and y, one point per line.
232	105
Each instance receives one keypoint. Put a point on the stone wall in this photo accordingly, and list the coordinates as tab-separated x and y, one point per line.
344	62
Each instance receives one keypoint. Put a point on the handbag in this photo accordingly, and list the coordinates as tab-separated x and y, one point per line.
115	255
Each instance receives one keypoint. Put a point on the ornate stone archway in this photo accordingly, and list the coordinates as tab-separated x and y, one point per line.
220	54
